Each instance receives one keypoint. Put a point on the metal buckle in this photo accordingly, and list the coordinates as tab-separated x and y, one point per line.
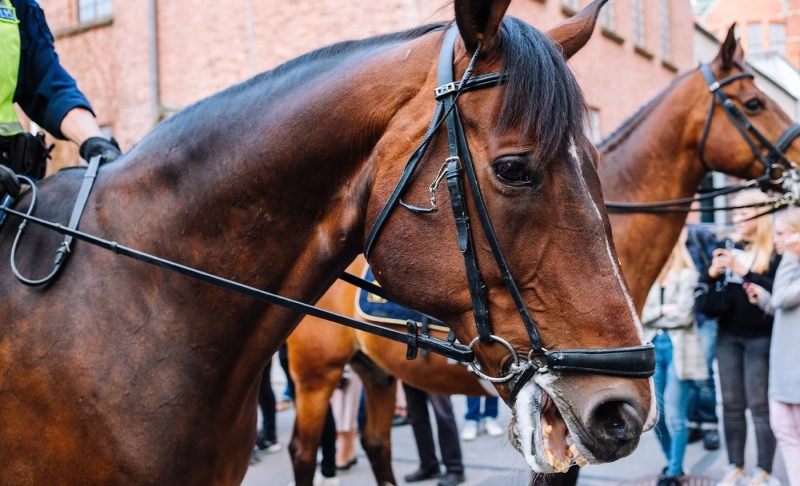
714	87
513	370
444	89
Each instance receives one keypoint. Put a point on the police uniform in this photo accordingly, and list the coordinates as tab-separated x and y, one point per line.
31	76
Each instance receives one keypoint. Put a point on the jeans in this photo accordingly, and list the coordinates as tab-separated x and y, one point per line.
672	396
474	408
423	432
744	379
283	358
703	393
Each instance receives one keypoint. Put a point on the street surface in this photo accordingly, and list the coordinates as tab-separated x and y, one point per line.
491	461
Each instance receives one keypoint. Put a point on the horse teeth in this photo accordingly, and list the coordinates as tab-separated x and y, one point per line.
550	458
548	430
569	454
579	460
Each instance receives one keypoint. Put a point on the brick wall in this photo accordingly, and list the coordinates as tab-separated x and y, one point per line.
204	47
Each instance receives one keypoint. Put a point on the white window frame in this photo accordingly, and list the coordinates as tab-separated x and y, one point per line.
608	16
777	45
91	10
755	37
639	17
665	29
573	4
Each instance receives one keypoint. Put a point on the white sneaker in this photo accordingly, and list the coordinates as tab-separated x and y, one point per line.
734	476
492	427
470	431
320	480
762	478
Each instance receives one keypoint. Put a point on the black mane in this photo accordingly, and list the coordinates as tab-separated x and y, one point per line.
542	96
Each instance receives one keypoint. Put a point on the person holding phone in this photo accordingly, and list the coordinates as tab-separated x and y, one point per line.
743	341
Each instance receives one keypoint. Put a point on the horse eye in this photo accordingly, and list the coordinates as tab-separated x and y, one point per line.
754	105
513	172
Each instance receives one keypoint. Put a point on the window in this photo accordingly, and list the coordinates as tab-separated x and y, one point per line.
89	10
665	29
608	16
593	126
777	38
639	35
755	38
572	4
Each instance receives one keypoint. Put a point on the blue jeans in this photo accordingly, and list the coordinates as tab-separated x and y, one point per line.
703	393
672	395
474	408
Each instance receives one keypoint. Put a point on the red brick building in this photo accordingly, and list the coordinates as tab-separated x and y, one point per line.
764	25
138	61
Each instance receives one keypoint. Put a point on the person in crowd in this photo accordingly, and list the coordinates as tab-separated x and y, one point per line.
670	324
472	419
743	340
417	403
32	77
345	404
326	476
702	412
267	437
784	360
285	403
400	410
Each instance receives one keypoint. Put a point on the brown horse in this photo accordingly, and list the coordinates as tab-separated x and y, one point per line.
646	159
119	373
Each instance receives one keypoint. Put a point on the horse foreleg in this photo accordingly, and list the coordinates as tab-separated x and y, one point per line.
380	391
313	395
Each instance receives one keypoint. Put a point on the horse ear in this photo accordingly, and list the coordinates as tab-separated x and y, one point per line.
480	20
730	50
575	32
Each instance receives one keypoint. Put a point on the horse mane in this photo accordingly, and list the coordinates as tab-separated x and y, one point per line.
628	126
542	96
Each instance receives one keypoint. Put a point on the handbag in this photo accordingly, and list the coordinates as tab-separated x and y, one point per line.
715	300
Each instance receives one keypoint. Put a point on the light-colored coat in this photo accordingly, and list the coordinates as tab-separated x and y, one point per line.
784	359
681	325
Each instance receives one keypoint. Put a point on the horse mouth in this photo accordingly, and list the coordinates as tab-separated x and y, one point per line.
541	434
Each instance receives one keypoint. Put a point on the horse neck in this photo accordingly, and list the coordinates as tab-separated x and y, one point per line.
268	188
652	158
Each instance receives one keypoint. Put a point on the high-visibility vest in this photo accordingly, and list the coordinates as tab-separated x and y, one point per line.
9	68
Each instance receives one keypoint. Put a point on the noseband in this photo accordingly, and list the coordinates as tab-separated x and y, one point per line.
774	160
631	362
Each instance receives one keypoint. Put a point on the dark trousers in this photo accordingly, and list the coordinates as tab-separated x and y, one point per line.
283	357
417	406
266	400
743	376
328	445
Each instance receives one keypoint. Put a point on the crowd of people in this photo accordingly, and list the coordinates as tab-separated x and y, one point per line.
735	300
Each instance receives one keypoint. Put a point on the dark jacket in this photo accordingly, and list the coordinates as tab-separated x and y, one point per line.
744	318
701	244
45	91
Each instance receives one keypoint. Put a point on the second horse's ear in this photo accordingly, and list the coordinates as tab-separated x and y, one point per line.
729	50
479	21
573	33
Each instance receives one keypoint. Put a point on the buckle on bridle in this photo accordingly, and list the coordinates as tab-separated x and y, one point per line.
444	89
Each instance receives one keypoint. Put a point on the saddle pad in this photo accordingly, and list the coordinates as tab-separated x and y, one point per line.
376	309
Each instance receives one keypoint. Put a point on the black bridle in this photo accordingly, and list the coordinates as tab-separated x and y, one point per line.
773	161
631	362
635	361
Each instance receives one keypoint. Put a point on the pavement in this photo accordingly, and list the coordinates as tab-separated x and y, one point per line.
492	461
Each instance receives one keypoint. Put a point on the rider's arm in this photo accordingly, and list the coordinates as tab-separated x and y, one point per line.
45	91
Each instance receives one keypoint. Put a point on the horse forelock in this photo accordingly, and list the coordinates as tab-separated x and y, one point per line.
542	97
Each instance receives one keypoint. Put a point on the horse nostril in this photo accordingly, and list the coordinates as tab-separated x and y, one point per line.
616	422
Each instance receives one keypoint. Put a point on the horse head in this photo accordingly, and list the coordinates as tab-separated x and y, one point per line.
722	147
535	176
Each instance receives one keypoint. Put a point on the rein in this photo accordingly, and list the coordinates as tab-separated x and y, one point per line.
630	362
774	160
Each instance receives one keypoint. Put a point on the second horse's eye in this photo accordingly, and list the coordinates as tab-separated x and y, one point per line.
754	104
513	172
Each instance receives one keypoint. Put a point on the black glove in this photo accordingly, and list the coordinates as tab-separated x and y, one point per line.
108	149
9	184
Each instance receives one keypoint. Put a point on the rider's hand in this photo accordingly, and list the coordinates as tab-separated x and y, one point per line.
93	146
9	184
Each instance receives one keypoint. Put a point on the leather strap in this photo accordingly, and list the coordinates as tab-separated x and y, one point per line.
788	137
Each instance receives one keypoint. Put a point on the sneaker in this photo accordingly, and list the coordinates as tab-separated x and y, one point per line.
451	479
492	427
470	431
263	447
734	476
254	459
283	404
695	435
711	439
761	477
665	480
320	480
